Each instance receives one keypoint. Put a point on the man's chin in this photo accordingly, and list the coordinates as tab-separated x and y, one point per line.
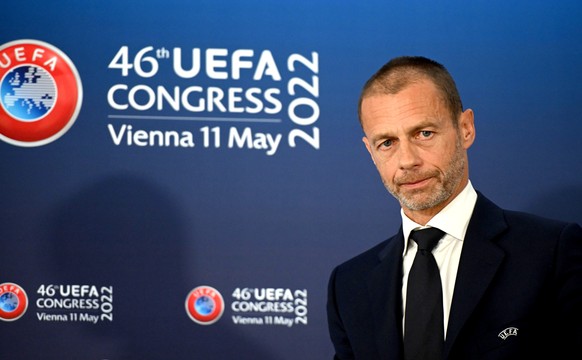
415	206
417	201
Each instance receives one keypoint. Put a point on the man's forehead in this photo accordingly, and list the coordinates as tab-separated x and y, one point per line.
420	88
413	101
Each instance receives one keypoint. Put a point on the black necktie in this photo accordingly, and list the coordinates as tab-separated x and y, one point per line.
423	324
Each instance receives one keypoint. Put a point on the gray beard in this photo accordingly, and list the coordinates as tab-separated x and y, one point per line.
452	178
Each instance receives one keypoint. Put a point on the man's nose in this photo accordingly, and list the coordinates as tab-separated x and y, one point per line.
408	156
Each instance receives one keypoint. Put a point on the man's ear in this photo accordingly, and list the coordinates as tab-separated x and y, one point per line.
467	128
365	140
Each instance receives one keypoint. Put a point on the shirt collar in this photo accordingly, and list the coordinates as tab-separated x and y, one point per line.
453	219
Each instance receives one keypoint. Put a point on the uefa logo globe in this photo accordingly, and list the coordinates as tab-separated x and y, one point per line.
28	92
40	93
204	305
8	302
13	302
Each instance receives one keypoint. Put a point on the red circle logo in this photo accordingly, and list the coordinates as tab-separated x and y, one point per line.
204	305
13	302
40	93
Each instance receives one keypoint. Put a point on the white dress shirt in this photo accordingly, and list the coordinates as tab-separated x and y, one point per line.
453	220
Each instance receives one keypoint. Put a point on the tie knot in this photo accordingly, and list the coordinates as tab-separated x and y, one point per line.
427	238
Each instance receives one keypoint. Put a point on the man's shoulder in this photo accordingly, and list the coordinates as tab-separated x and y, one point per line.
519	221
522	217
539	226
369	258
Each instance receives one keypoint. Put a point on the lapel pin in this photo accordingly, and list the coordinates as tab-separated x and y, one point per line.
510	331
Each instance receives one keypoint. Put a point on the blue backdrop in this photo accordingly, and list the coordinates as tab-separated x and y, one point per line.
109	228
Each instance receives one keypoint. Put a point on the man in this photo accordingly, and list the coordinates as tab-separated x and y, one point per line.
511	282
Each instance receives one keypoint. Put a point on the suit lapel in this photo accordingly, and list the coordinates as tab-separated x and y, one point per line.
385	287
479	262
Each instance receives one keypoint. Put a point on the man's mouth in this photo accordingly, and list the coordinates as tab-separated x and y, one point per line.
415	183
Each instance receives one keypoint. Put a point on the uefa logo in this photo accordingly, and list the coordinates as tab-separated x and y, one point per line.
40	93
204	305
13	302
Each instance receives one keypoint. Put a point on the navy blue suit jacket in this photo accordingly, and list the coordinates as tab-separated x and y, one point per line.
518	293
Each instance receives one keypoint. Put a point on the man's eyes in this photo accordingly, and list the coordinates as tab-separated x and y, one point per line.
423	134
387	143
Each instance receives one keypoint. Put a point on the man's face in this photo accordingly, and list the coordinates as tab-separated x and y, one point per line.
419	153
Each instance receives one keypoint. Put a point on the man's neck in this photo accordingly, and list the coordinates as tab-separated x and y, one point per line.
422	217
